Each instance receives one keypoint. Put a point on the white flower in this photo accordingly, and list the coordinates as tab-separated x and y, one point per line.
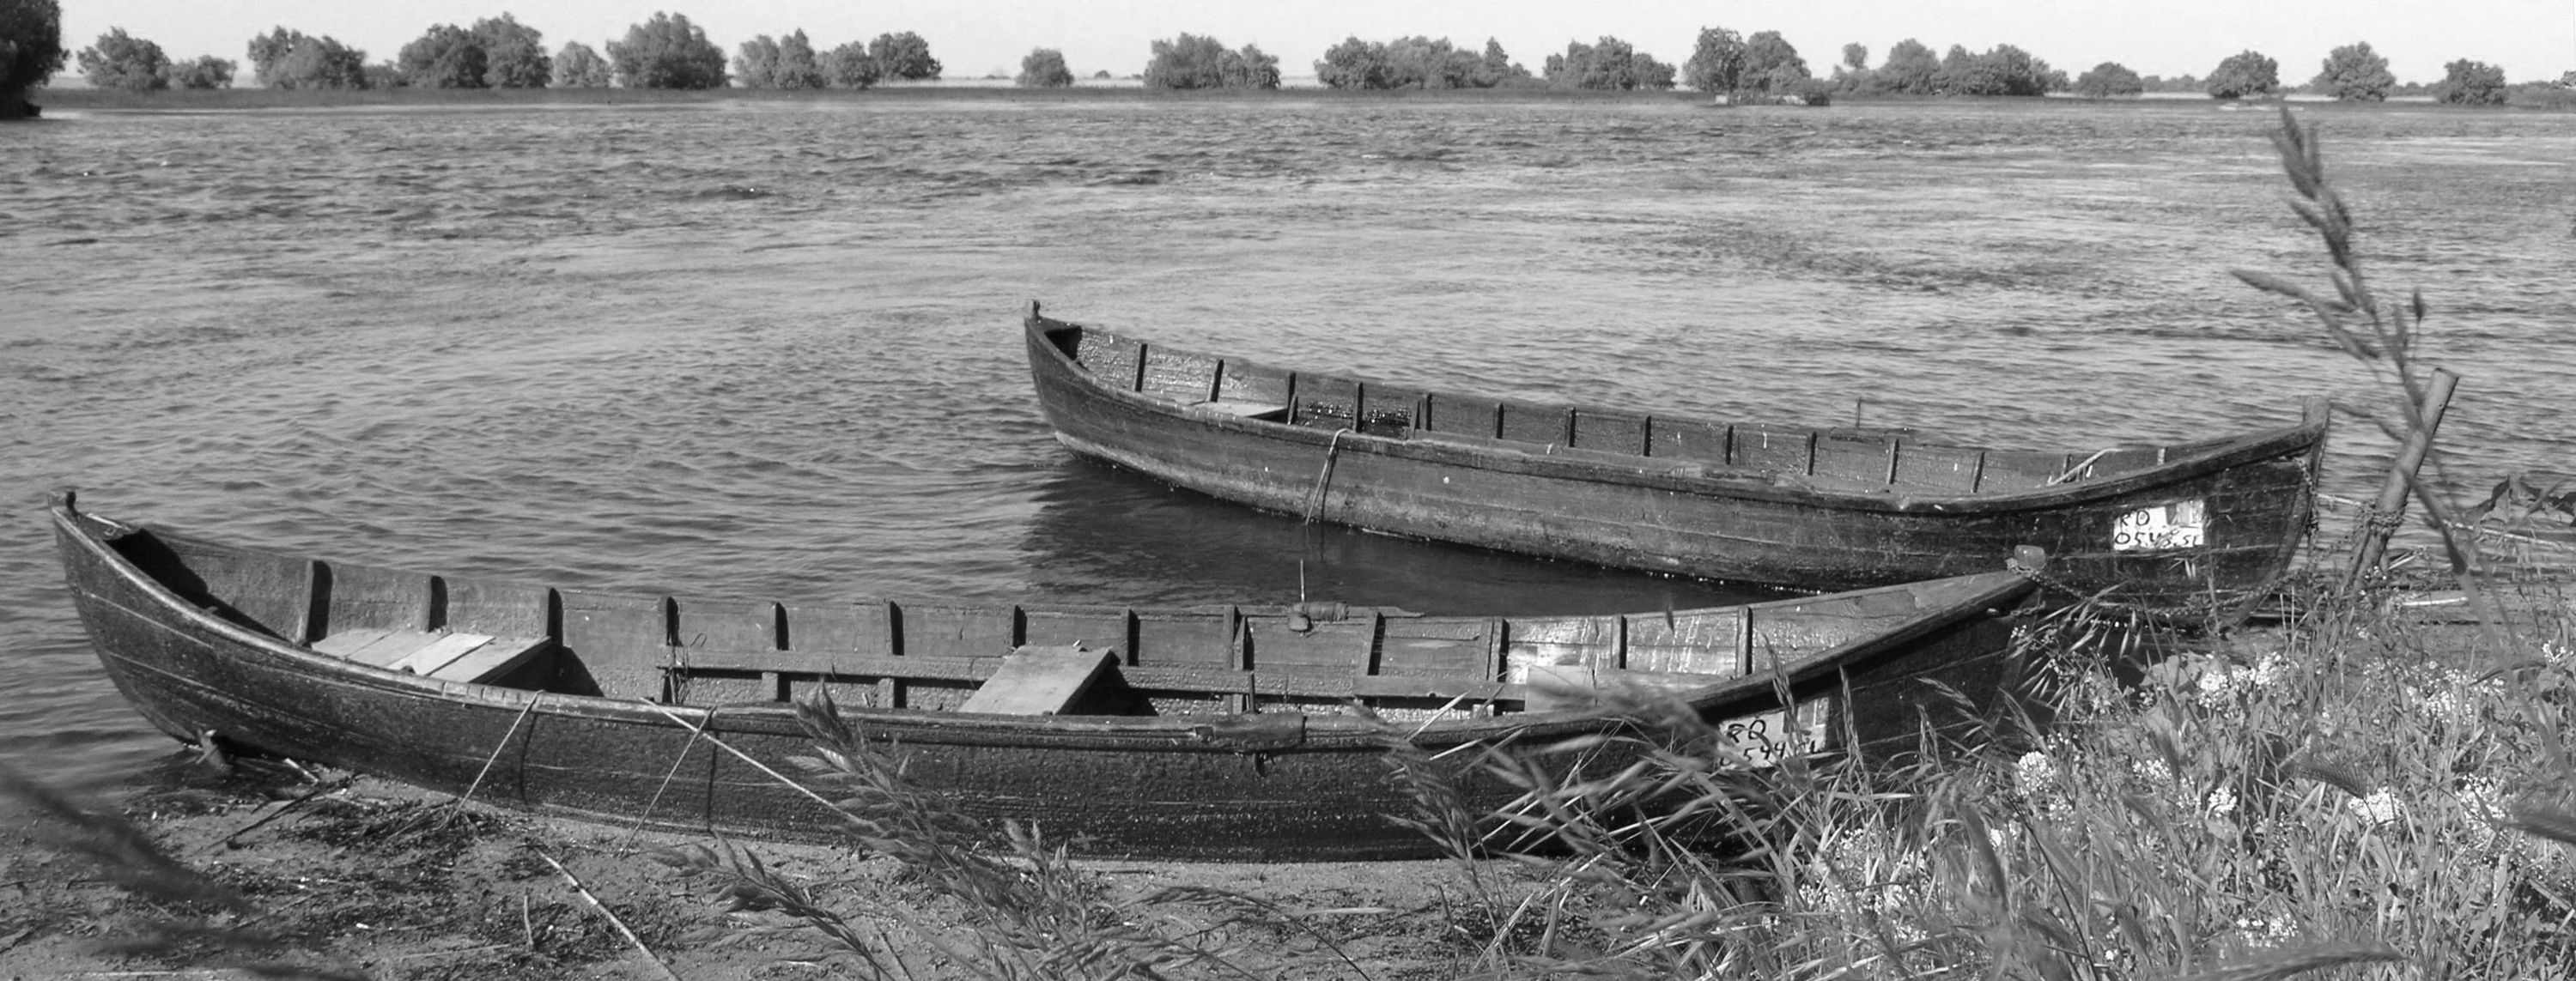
2034	773
2381	807
2221	802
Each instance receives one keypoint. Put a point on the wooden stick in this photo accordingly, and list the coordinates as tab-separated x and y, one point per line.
2401	478
584	892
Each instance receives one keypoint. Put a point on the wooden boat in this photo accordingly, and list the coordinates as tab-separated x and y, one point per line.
1221	732
2186	529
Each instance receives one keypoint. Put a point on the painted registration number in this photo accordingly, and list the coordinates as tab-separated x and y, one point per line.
2182	524
1770	737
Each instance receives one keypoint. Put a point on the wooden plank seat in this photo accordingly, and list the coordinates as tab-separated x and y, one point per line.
446	655
1245	409
1040	680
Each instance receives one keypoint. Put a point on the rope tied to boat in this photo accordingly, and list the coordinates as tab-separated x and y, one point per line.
1323	478
2079	468
2196	609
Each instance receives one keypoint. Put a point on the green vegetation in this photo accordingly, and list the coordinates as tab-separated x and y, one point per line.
782	63
204	72
670	52
1762	68
1044	68
498	53
667	52
903	55
2244	75
31	51
850	67
123	61
447	57
2470	83
2354	73
1610	64
287	59
1194	62
579	66
2107	80
1417	63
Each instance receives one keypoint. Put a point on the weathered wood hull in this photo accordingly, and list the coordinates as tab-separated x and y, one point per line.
1804	508
210	639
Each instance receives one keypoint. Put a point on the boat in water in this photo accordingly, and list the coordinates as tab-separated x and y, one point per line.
2193	530
1210	732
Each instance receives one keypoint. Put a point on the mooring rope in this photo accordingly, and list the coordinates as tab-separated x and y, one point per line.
1315	499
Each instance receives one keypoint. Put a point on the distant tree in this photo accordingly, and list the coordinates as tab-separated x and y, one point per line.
1497	69
123	61
2470	83
1186	62
2247	74
2354	73
1043	68
514	54
904	55
1355	64
1610	64
850	67
287	59
1961	73
755	61
2109	79
667	52
1249	68
1717	62
1191	61
1421	62
578	66
1911	68
31	51
1772	65
1855	56
1415	62
444	57
797	66
206	72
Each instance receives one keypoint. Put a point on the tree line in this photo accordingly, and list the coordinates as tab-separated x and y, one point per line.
667	51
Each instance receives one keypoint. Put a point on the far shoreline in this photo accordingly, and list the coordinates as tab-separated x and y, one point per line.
1118	92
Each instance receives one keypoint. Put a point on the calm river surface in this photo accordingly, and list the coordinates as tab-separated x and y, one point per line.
772	349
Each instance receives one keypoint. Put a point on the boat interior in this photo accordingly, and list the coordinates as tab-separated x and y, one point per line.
1891	460
1028	659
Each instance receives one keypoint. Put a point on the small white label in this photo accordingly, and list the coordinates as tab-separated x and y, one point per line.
1771	737
2182	524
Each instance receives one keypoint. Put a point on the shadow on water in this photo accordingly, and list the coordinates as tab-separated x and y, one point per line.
1104	534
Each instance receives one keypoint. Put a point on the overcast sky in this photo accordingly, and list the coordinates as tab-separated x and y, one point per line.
2530	39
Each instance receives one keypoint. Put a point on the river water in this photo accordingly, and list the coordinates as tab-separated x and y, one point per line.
772	349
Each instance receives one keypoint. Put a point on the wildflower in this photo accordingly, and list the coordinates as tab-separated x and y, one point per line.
2033	773
2381	807
2221	802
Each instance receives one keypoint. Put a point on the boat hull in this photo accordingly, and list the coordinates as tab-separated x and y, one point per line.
1268	786
1800	529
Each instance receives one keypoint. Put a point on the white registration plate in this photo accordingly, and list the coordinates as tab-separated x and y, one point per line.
2182	524
1770	737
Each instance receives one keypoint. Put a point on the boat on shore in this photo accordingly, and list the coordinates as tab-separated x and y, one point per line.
1212	732
2190	530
